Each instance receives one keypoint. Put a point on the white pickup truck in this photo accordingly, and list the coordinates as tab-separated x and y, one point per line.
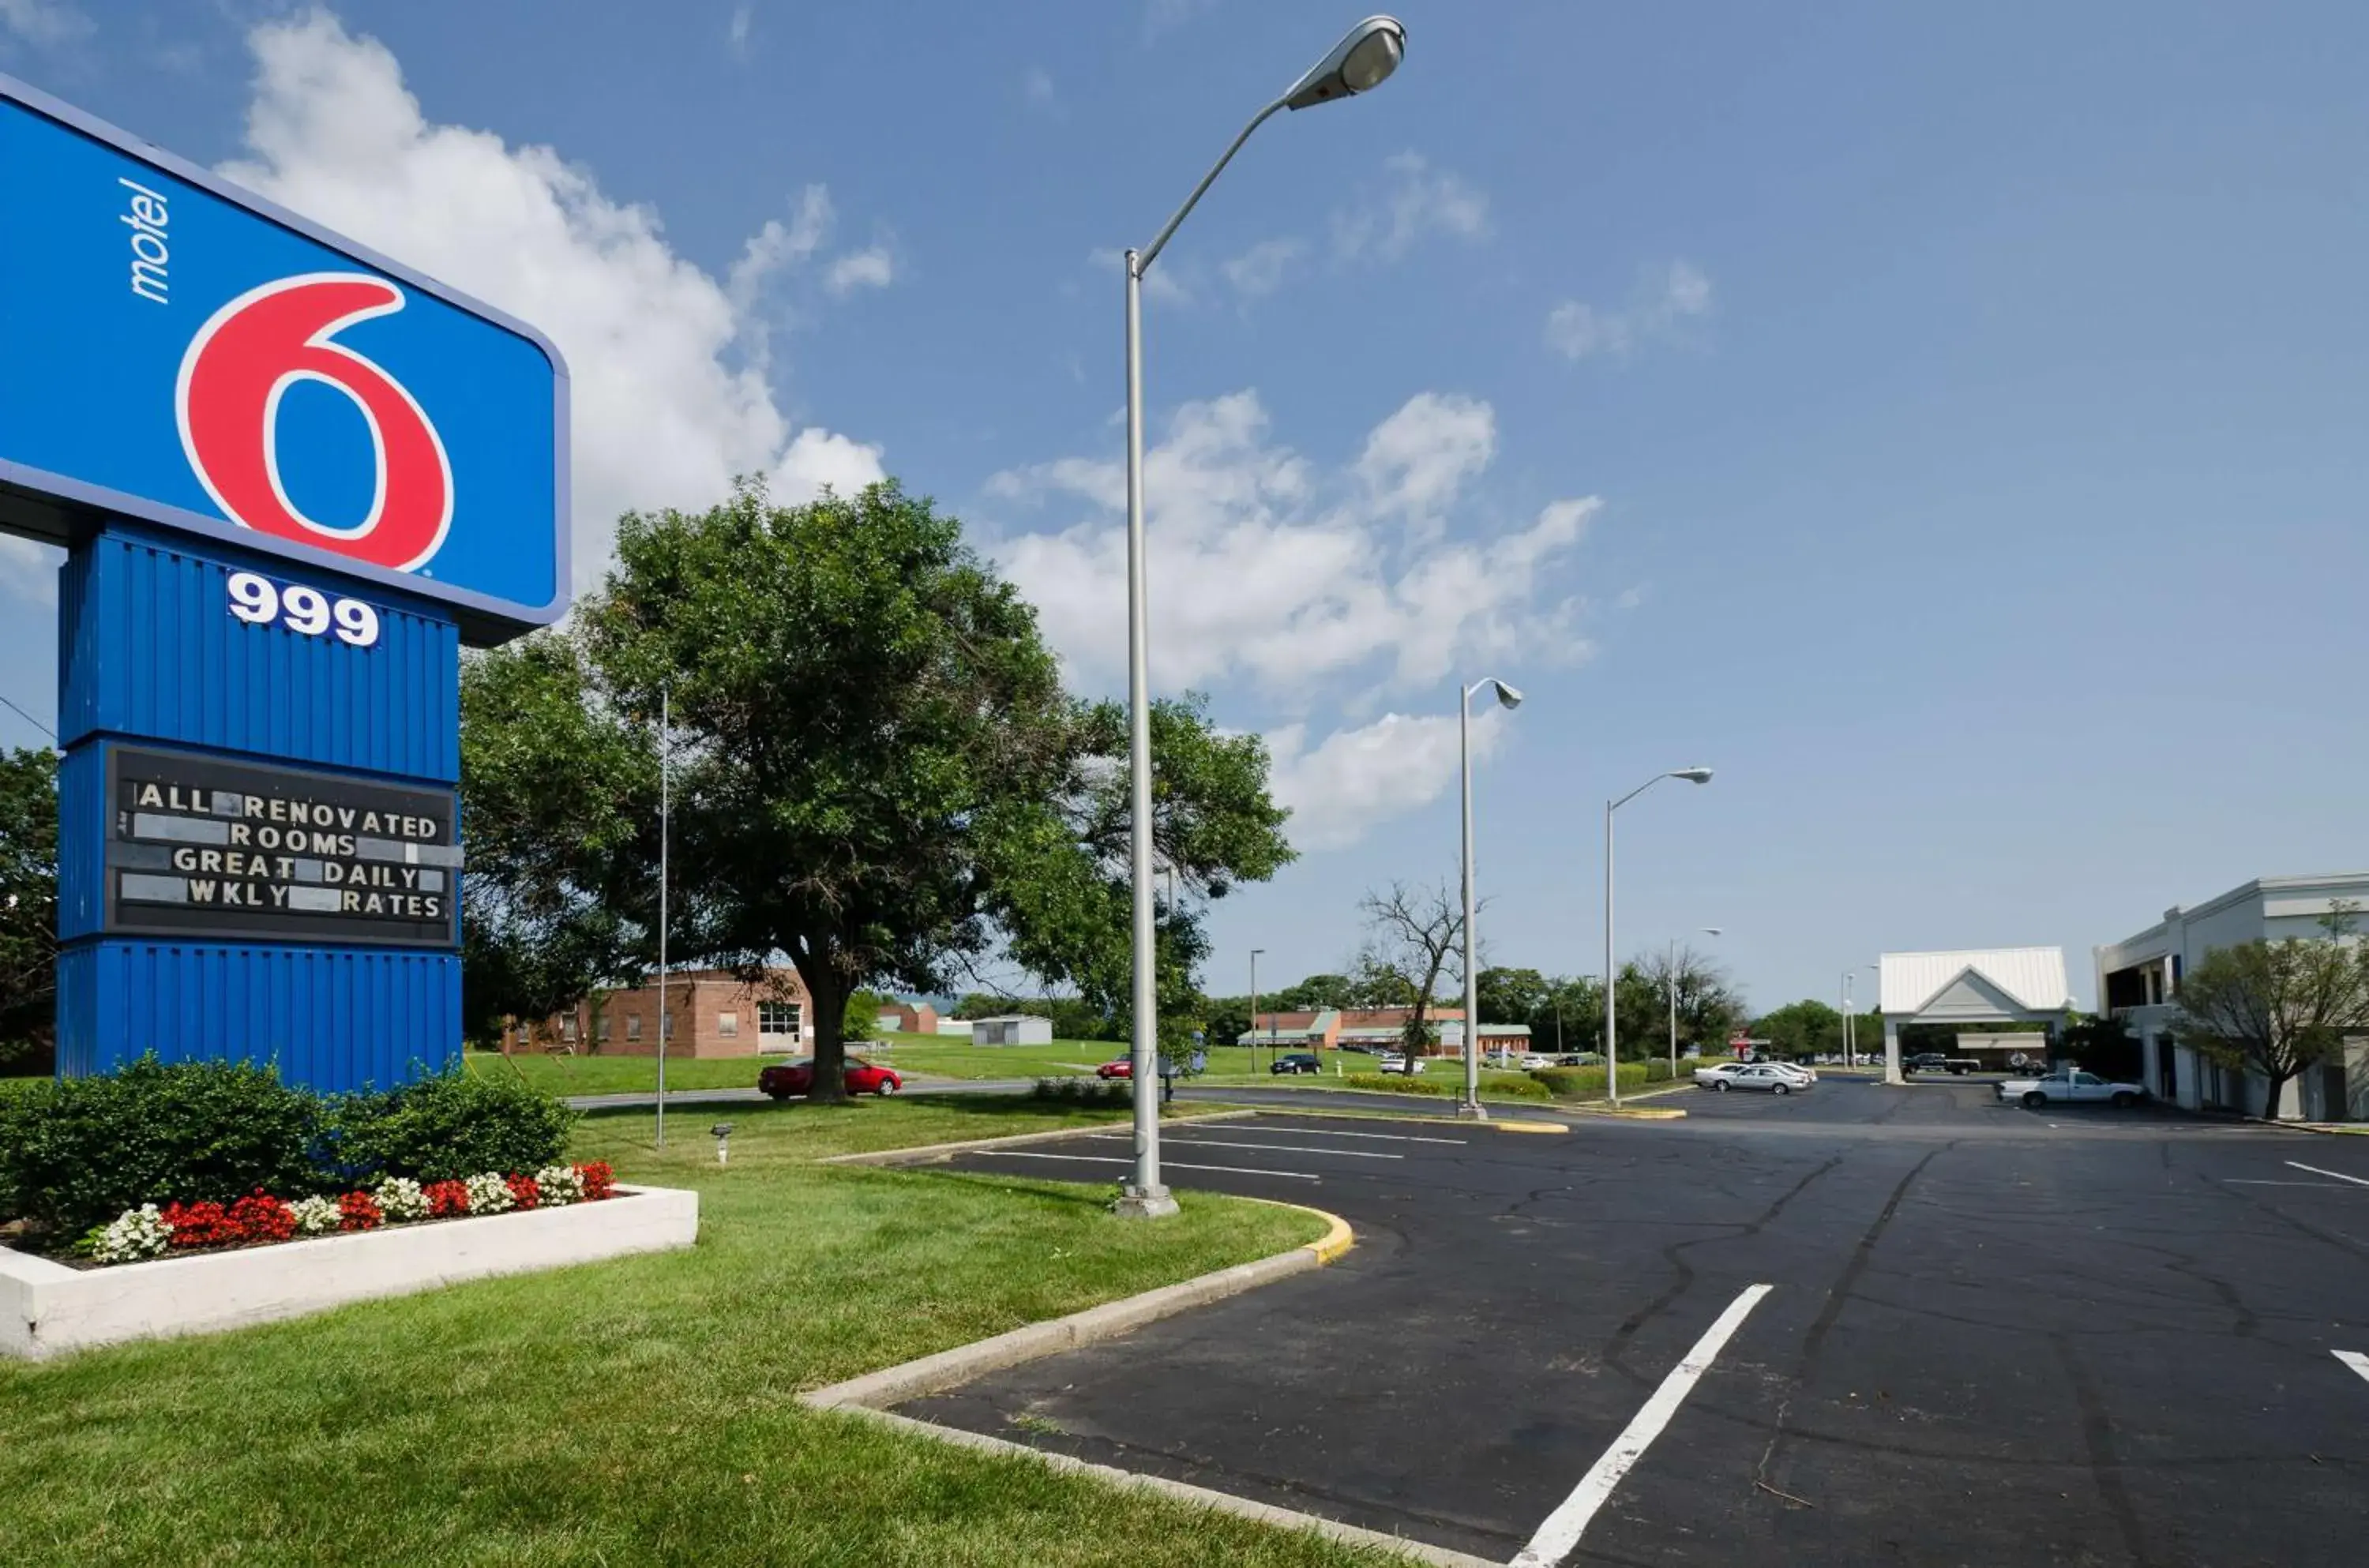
2069	1086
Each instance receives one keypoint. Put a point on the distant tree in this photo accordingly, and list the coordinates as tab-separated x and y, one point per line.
1510	996
29	907
2277	1008
2103	1044
1228	1018
1709	1005
1315	994
1569	1018
1414	938
1808	1027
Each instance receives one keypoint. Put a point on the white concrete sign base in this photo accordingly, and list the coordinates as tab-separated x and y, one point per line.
47	1309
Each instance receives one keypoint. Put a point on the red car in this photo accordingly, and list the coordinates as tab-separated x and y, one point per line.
1123	1067
787	1078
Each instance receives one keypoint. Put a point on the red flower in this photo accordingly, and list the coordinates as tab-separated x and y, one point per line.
359	1211
523	1190
446	1198
600	1181
198	1224
261	1217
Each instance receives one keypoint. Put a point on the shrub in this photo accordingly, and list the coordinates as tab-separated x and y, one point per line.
79	1153
1084	1091
450	1128
1587	1082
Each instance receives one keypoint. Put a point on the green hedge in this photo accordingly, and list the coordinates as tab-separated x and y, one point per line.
1587	1082
1519	1085
1084	1091
77	1153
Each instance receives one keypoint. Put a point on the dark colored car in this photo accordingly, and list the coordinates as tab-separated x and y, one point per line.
1297	1061
1122	1067
1934	1061
785	1079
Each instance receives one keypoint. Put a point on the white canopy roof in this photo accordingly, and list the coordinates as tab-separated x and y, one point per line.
1975	986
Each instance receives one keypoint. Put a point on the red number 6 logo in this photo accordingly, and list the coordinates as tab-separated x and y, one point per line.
244	361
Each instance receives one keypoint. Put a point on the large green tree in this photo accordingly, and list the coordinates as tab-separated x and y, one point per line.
2275	1009
28	905
876	771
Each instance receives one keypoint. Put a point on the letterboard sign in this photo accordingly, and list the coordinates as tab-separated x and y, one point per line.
199	847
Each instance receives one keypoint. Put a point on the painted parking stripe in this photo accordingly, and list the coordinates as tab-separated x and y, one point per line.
1563	1528
2355	1360
2339	1175
1176	1141
1164	1164
1321	1132
2268	1182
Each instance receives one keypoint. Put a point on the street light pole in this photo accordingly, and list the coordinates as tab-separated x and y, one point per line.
1509	699
1363	59
666	804
1848	1052
1255	958
1611	1021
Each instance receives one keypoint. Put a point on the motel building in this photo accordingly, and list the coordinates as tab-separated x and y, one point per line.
1375	1029
2138	982
710	1012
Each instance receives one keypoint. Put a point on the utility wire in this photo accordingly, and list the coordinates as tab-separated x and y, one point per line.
29	718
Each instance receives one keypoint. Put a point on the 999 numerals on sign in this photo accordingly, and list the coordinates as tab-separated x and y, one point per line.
257	601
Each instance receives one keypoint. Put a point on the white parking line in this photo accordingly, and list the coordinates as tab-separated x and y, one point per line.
1165	1164
1321	1132
2338	1174
1177	1143
2355	1360
2268	1182
1563	1528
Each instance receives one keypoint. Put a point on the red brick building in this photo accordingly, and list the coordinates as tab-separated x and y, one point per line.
711	1013
1377	1029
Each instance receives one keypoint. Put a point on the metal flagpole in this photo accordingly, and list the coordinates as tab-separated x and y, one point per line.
666	803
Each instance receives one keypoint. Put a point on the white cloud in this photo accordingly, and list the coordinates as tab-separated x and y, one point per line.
28	569
1416	461
1662	303
1259	270
44	21
1419	201
869	268
1360	777
1265	568
737	33
777	246
817	457
668	402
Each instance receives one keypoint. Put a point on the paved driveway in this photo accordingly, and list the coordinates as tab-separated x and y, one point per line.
1990	1336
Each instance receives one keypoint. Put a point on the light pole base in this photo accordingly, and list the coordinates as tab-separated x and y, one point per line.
1140	1203
1471	1110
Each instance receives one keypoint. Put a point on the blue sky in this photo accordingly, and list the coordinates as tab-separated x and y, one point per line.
1945	423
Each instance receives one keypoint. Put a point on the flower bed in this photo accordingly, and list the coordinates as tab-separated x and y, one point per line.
260	1220
239	1276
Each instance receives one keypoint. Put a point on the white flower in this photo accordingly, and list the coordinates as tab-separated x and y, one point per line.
560	1184
400	1200
136	1233
488	1193
314	1216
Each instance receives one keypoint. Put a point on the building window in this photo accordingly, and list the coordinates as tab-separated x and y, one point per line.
728	1025
600	1029
779	1018
567	1030
666	1024
632	1025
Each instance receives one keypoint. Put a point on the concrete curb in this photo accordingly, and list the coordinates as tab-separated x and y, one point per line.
867	1397
966	1363
933	1150
1179	1491
1631	1113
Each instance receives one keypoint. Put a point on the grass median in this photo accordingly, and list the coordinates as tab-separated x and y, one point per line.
641	1411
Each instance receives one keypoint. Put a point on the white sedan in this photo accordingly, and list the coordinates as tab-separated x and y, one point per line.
1771	1077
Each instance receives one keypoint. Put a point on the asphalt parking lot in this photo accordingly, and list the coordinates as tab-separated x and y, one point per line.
1989	1336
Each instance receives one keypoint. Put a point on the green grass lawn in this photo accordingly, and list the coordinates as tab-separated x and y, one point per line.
641	1411
913	1055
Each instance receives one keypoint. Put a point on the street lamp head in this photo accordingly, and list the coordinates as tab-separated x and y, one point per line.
1711	931
1506	696
1361	61
1693	775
